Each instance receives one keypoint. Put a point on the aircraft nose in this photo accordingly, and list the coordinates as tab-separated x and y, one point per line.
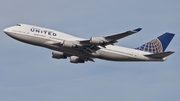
6	30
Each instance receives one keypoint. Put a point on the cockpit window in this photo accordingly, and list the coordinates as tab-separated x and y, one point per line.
18	24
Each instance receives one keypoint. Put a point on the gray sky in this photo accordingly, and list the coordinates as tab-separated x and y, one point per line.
28	73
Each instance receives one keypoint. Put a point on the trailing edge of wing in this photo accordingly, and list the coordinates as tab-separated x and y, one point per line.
159	55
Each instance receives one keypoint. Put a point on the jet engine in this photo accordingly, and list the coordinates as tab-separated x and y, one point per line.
58	55
69	44
75	59
97	40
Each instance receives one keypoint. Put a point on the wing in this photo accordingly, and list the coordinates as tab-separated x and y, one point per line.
93	42
107	39
91	45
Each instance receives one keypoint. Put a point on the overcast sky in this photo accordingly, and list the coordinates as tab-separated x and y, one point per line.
28	73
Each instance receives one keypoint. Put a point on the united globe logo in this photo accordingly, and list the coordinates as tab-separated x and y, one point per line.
154	46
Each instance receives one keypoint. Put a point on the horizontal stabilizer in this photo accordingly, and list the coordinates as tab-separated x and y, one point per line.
159	55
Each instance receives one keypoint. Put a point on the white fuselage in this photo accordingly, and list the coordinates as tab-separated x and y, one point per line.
46	37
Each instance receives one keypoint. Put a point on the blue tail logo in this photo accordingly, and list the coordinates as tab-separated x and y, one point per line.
157	45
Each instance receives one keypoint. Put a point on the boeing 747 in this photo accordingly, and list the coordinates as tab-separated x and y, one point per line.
81	50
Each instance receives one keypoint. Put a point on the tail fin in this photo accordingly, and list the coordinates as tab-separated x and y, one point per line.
157	45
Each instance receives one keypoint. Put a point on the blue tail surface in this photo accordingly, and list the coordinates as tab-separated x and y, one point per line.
157	45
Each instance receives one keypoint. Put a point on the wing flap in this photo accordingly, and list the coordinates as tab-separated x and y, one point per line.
160	55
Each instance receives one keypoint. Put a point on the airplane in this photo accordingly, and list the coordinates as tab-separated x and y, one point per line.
81	50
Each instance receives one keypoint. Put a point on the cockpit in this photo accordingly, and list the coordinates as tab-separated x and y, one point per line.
18	24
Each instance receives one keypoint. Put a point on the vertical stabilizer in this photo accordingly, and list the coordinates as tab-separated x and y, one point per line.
157	45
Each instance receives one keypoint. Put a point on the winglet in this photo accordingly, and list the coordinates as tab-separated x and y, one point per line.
138	29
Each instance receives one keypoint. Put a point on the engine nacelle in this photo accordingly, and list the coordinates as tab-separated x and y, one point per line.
75	59
58	55
69	44
97	40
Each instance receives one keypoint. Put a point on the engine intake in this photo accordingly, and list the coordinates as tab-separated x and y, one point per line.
75	59
69	44
58	55
97	40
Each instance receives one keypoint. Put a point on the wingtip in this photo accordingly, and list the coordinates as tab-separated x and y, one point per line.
138	29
